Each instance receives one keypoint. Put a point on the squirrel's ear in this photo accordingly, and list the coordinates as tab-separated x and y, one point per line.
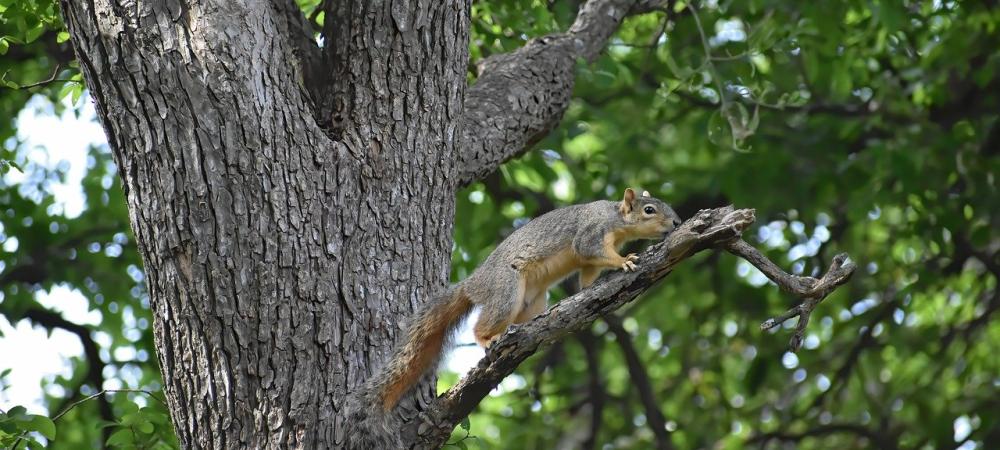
626	206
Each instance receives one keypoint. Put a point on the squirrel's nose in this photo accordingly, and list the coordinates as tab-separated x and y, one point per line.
677	223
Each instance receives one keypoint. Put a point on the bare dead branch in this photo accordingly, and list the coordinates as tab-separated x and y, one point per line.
811	290
712	228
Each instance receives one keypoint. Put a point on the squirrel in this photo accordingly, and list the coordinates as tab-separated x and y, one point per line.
510	287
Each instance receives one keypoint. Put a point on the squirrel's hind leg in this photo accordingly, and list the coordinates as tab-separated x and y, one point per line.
588	275
501	301
532	308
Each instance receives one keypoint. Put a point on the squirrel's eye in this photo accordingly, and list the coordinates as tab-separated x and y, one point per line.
649	210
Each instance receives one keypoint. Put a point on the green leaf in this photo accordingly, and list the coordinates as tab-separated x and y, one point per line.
145	426
121	437
13	39
7	427
465	424
66	91
62	37
981	236
130	419
3	46
77	92
841	83
106	424
34	33
43	425
16	412
892	14
718	129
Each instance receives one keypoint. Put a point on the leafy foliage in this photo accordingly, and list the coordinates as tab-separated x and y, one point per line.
90	252
865	127
142	428
870	130
16	424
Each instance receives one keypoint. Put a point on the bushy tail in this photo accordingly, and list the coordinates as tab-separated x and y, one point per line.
368	420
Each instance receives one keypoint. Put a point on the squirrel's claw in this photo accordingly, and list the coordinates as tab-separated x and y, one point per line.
629	264
425	424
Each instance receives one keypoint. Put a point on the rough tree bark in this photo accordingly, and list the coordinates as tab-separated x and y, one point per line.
293	202
280	259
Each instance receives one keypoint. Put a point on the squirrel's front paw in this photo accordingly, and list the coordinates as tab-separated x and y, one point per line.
629	264
425	424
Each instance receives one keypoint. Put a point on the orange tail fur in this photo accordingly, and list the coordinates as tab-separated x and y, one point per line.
369	424
424	344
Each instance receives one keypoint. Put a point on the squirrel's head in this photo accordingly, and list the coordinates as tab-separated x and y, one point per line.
648	217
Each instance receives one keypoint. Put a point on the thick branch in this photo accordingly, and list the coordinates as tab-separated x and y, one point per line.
299	34
645	6
35	265
520	96
707	229
880	440
657	423
597	394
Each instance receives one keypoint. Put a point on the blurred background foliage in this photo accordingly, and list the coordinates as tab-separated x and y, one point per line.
864	127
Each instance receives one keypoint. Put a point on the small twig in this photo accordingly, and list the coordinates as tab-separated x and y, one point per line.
729	57
91	397
631	45
468	434
810	289
654	42
708	56
739	126
51	79
106	391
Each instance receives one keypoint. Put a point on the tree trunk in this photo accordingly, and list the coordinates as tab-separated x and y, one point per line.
280	261
293	202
